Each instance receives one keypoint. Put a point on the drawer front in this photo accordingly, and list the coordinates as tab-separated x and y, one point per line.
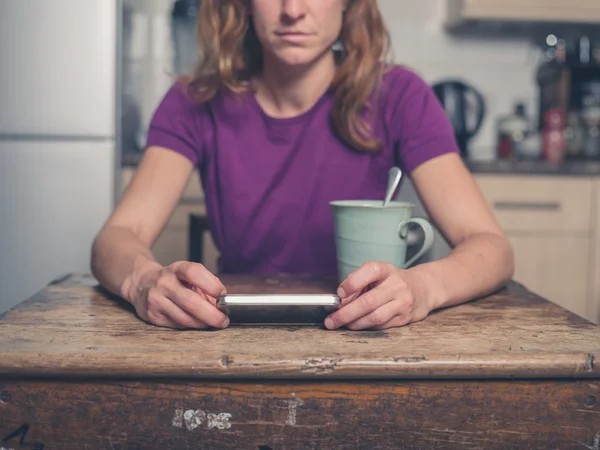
538	204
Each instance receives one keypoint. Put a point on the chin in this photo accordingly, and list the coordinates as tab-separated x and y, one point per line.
298	57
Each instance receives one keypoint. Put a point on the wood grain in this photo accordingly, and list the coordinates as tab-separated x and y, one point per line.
285	415
74	329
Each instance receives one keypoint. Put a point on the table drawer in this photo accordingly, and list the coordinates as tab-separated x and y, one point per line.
539	203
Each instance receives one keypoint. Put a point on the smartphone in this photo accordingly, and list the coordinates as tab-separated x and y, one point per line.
274	309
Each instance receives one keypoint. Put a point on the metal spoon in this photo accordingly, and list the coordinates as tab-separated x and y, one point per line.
394	176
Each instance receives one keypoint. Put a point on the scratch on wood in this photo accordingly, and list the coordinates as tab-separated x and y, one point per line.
178	418
297	426
589	362
292	409
596	444
193	418
220	421
410	359
321	365
225	361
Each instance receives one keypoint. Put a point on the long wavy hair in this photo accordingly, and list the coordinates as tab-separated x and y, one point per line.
230	54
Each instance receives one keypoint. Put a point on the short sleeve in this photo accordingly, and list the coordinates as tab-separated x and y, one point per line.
418	124
177	124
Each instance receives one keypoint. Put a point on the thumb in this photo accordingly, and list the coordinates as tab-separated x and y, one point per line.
369	274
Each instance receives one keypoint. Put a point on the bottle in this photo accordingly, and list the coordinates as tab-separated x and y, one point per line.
574	133
512	131
553	135
590	114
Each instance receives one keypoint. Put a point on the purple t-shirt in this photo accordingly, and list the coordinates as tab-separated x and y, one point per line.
268	181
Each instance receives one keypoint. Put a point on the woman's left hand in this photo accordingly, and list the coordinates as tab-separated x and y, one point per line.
378	296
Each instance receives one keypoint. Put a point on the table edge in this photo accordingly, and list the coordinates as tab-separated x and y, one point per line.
573	365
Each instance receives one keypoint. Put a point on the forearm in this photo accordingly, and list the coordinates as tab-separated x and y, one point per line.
479	265
116	253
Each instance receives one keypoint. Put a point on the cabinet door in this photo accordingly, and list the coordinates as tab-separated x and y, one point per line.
460	11
534	204
556	268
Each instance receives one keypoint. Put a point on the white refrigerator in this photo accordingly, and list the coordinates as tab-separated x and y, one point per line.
59	137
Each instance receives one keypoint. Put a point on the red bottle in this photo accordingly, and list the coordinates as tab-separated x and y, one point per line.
553	135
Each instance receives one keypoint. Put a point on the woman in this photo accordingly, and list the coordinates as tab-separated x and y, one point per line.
279	124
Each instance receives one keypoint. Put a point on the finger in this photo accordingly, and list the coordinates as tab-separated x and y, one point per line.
398	321
363	305
199	276
211	300
369	273
389	314
160	320
180	317
354	296
350	299
199	307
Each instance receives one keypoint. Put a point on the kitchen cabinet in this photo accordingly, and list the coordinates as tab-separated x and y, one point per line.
462	13
555	267
553	225
172	244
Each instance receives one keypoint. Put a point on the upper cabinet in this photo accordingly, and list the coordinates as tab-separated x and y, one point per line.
461	13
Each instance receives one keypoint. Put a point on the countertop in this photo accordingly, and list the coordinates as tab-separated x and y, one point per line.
501	167
534	167
73	328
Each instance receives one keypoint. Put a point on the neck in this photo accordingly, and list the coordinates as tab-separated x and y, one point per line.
284	91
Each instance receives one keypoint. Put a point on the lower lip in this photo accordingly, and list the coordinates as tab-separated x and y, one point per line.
293	37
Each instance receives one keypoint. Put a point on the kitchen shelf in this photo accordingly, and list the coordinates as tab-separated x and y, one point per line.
463	14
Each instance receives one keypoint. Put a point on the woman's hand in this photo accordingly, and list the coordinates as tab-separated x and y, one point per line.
181	295
378	296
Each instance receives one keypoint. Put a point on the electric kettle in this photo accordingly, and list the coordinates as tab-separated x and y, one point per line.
465	107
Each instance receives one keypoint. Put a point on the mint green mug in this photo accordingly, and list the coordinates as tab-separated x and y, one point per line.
366	231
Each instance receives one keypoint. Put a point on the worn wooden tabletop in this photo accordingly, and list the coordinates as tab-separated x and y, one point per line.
72	328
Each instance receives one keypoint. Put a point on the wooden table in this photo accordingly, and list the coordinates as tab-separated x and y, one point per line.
78	370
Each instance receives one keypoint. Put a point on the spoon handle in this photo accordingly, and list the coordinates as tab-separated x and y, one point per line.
394	176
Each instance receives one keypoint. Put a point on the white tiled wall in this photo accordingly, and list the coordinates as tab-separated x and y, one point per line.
503	70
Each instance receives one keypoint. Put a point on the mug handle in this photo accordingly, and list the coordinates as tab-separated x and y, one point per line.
427	242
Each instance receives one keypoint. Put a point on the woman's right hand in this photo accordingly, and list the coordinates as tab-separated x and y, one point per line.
180	295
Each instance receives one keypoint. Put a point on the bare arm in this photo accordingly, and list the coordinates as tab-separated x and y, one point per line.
482	259
139	218
123	263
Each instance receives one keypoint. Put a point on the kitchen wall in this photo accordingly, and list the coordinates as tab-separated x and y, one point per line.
502	69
